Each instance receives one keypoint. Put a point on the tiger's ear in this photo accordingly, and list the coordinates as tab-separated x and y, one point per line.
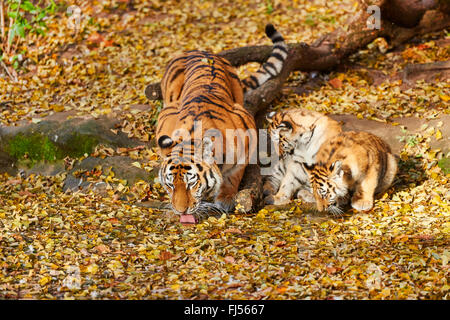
336	169
165	141
269	116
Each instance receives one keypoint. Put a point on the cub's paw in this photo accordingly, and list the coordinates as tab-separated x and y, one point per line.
267	192
362	205
306	196
280	200
268	199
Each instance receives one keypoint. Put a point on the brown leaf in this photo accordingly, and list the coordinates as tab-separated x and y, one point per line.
233	230
229	259
165	255
336	83
280	243
101	248
14	182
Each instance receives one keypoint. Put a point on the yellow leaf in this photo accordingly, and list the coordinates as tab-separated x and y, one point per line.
385	292
261	214
136	164
58	108
44	280
444	97
92	268
438	135
190	250
91	69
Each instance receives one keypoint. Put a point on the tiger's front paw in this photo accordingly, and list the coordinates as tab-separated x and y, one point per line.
225	205
362	205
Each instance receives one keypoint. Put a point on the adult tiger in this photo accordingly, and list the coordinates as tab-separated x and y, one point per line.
203	97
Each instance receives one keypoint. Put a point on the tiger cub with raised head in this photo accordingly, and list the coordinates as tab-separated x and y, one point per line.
352	166
203	95
299	134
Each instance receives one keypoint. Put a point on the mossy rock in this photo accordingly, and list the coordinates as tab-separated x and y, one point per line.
7	163
50	141
34	147
444	164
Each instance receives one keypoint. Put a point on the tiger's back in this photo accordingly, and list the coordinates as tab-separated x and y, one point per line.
200	88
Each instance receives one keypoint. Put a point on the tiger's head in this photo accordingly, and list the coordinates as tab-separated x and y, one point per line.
329	185
188	178
291	128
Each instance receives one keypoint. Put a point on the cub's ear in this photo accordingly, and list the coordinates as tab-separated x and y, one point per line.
269	116
336	169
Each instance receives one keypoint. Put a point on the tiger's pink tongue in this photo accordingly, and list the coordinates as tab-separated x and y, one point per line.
187	218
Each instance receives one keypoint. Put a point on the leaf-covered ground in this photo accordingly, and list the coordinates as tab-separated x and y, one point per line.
95	245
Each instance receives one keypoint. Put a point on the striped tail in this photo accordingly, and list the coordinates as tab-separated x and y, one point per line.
273	66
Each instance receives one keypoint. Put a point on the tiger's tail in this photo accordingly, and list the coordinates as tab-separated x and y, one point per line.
273	66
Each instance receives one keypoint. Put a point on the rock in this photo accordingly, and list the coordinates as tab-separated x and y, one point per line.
55	138
391	133
7	164
120	165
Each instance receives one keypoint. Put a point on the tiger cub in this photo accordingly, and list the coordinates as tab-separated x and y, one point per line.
299	134
351	166
203	95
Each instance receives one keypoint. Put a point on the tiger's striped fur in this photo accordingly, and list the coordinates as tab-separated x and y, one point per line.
299	134
351	166
200	87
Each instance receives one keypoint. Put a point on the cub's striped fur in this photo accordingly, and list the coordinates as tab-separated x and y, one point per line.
299	134
351	166
202	94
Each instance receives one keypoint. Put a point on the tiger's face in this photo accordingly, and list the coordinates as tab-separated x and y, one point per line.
329	187
188	182
290	128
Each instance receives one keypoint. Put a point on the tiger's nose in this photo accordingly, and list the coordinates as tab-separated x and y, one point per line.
181	209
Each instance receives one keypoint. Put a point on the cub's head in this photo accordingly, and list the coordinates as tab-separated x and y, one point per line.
329	186
189	179
291	127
